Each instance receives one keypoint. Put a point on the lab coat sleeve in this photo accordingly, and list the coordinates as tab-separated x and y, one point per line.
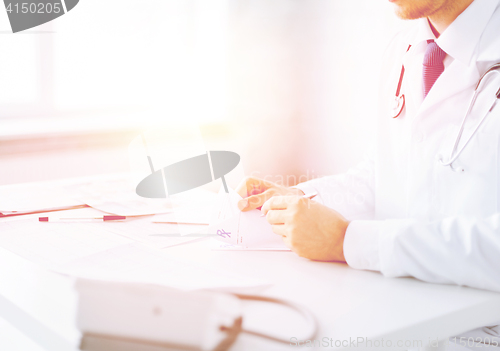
455	250
351	194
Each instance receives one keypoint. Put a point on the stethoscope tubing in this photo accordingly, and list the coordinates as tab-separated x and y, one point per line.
454	155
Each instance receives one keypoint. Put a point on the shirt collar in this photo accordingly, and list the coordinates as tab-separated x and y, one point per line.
424	32
460	39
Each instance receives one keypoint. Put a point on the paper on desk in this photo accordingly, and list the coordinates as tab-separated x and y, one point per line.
138	229
229	247
243	229
55	244
136	263
34	196
156	235
97	253
117	196
188	215
195	208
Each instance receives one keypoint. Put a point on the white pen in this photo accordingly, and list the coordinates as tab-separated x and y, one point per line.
305	196
81	219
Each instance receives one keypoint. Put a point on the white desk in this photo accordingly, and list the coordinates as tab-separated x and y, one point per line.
347	303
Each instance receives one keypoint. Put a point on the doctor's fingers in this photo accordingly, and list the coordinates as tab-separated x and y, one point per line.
277	216
279	229
286	240
254	201
280	203
252	186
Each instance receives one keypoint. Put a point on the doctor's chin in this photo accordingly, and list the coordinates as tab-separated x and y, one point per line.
242	175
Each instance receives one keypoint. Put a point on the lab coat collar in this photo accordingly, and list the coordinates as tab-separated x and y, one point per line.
489	44
460	39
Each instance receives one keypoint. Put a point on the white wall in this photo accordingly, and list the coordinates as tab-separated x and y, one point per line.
303	80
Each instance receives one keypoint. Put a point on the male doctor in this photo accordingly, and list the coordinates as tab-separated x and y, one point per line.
401	212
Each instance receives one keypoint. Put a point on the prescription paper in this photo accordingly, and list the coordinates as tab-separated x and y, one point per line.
242	229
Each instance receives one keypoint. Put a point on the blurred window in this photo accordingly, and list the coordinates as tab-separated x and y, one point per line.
112	56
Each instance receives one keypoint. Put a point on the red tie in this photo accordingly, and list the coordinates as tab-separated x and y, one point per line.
433	65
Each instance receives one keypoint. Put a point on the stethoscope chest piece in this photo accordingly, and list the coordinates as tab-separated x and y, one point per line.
397	106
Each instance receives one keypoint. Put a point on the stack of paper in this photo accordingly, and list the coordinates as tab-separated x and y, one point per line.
34	197
117	196
114	194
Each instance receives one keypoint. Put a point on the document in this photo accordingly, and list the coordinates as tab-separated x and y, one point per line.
54	245
33	197
137	263
193	207
229	247
189	215
117	196
95	252
246	230
155	235
114	194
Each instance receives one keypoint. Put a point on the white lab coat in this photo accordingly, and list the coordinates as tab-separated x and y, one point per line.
411	216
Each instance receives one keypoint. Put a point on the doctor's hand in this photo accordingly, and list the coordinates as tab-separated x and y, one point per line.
255	192
308	228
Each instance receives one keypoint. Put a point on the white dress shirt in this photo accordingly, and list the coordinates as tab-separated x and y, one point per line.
411	216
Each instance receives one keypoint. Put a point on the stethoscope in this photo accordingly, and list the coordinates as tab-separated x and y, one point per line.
399	100
399	104
454	153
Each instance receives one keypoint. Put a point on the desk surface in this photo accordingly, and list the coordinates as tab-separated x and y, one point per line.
347	303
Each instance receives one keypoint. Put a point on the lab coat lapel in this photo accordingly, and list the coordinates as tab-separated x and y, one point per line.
455	79
490	40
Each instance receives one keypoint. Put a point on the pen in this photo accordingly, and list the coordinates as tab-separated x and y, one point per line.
184	223
81	219
53	209
305	196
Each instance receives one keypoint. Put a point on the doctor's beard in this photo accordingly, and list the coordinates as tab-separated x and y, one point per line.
413	9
